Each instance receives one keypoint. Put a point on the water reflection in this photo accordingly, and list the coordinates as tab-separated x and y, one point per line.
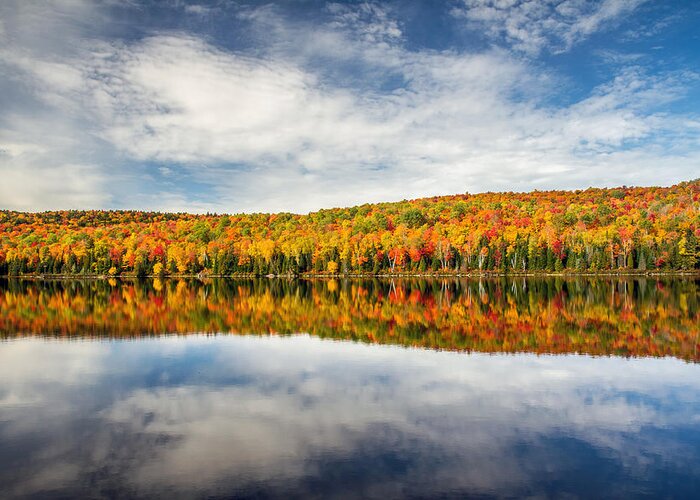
624	317
301	417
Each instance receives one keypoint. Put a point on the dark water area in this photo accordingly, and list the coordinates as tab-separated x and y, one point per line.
350	389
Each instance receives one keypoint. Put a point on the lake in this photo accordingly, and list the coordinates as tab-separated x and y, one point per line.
409	388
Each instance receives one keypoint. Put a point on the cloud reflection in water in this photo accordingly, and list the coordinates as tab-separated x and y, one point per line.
301	416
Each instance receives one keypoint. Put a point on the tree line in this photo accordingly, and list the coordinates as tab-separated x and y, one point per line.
592	230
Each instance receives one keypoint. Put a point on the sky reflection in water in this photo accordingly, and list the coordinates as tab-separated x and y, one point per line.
301	416
91	406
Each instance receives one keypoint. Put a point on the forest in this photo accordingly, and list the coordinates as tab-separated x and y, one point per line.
640	229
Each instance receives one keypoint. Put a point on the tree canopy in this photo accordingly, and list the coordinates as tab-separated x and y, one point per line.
585	230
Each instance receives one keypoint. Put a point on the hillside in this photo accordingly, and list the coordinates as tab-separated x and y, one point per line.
584	231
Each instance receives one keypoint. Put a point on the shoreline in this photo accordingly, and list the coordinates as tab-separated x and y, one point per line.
489	274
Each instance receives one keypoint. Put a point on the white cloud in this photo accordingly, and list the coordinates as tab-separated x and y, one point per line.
39	168
370	21
178	99
48	156
456	123
200	10
31	186
287	126
533	25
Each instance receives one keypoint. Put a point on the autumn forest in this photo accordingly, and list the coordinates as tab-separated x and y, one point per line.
593	230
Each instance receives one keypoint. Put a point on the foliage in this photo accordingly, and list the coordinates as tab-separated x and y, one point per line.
585	231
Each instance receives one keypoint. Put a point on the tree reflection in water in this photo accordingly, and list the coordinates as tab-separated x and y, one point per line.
614	316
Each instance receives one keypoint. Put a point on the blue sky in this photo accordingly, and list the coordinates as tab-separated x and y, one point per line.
298	105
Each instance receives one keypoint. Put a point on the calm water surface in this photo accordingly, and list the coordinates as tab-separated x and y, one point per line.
545	388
